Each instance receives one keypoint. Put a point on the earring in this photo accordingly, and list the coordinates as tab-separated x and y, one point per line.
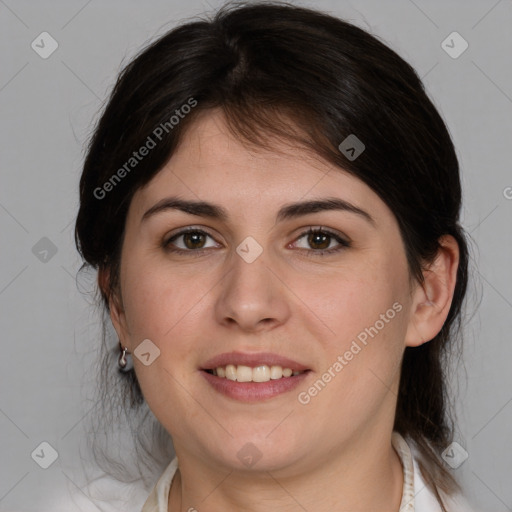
123	360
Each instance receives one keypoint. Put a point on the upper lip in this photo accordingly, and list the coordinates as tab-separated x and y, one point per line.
252	360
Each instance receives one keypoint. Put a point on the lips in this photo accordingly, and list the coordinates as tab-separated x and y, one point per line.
252	377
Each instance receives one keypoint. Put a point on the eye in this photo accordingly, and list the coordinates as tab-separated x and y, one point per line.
321	240
192	240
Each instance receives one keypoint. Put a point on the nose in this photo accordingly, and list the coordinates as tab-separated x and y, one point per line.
253	297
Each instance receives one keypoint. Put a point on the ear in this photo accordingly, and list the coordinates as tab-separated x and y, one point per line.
432	301
116	309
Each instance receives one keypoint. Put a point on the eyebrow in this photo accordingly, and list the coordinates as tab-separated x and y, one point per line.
288	211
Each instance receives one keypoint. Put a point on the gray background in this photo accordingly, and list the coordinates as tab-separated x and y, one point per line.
49	328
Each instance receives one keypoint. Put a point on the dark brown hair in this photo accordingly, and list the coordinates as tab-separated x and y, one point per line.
278	70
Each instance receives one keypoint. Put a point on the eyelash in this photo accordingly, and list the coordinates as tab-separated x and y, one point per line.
312	253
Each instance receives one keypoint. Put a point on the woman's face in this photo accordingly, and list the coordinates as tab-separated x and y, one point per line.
251	288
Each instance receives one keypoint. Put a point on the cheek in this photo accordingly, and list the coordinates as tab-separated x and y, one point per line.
366	308
357	299
159	302
362	360
165	307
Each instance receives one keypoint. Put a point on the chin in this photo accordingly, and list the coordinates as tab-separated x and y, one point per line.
256	452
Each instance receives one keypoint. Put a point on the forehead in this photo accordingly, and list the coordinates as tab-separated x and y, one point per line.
211	163
210	144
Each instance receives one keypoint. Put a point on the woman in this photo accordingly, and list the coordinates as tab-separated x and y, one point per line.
272	203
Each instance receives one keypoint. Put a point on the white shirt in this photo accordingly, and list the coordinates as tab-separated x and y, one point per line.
416	496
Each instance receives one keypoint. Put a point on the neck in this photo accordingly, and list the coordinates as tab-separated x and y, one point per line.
365	475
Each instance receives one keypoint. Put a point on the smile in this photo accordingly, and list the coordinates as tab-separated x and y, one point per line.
261	373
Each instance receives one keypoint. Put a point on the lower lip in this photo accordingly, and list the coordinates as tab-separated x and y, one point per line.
253	391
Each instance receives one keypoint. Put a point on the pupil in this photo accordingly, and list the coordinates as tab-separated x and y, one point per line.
314	236
195	239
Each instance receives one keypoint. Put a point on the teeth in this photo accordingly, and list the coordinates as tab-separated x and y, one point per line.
276	372
262	373
244	374
231	372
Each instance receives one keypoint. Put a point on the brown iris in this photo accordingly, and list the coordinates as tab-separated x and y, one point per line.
314	237
193	240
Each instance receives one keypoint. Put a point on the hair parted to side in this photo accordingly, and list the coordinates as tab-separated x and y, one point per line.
304	77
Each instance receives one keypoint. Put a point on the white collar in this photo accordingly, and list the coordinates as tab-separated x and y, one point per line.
404	453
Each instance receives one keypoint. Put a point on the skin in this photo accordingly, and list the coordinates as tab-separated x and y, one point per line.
334	453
